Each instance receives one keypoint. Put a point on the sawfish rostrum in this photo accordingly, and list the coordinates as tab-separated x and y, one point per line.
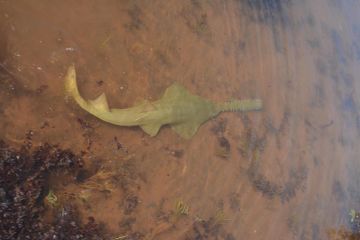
180	109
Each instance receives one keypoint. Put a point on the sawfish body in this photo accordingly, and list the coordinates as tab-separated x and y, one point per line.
180	109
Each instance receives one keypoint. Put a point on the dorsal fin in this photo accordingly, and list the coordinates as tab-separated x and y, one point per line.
100	103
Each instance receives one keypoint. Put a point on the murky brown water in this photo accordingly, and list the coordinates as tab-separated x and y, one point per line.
291	171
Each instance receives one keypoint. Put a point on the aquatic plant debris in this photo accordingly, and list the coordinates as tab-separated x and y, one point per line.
52	199
180	109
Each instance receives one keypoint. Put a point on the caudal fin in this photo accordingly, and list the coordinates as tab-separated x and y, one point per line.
71	89
96	107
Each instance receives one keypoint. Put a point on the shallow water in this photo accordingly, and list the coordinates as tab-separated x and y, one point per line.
290	171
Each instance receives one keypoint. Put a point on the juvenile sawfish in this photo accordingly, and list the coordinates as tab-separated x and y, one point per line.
180	109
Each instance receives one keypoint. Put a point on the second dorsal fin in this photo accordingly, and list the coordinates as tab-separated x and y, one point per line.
100	103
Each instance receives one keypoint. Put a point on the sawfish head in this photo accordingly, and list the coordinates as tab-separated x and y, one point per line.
191	109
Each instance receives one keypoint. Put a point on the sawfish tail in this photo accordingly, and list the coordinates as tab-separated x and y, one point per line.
71	89
97	107
241	105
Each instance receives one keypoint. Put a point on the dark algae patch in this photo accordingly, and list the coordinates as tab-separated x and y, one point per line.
24	178
196	19
252	147
135	14
208	229
223	149
347	233
270	189
266	10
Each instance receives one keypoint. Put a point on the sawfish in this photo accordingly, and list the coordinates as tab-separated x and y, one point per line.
180	109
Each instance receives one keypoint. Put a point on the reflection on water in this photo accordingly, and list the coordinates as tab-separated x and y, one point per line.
290	171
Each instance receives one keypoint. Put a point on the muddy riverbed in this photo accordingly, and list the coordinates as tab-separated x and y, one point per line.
289	171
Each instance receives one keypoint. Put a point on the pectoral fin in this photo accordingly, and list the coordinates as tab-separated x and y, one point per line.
175	91
100	103
151	129
186	130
